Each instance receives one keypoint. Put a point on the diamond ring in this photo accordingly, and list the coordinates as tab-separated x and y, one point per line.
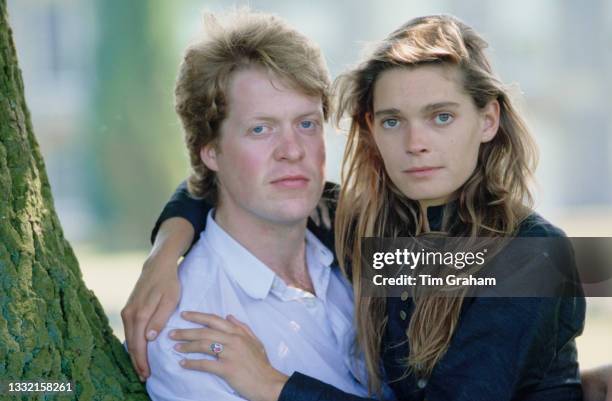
216	348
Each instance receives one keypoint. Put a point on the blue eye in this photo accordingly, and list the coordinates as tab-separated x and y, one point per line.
443	118
306	124
258	130
390	123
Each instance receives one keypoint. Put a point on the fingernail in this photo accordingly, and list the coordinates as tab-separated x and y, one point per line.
177	347
151	335
182	362
142	379
172	334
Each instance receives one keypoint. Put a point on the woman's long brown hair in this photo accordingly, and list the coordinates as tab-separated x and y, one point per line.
491	203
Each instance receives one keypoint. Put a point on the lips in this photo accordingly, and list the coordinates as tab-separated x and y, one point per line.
422	171
291	181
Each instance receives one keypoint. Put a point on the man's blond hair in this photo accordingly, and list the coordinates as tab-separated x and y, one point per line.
240	40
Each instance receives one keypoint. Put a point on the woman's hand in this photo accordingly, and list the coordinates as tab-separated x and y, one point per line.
148	309
157	291
243	362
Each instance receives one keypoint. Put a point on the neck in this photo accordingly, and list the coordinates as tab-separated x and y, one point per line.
281	247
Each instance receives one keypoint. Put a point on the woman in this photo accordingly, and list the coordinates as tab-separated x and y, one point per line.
435	145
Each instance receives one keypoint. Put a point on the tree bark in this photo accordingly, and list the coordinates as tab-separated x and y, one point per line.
52	328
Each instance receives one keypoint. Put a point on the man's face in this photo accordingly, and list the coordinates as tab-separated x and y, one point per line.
429	131
270	158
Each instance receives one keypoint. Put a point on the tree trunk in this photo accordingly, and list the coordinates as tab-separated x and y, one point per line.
52	328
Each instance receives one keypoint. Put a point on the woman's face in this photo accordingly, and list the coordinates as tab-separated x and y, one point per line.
428	130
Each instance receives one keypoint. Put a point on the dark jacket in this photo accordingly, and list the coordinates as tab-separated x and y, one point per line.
502	349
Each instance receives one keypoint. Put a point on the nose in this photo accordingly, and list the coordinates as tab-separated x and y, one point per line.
416	139
290	146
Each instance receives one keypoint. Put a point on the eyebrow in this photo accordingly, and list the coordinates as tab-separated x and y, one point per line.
426	109
314	113
265	117
441	105
387	112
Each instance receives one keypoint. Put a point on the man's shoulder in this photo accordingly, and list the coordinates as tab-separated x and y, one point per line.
199	277
202	261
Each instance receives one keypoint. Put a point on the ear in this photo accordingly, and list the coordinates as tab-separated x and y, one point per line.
208	155
490	121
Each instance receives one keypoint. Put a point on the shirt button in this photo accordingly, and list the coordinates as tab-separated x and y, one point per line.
403	315
422	383
404	296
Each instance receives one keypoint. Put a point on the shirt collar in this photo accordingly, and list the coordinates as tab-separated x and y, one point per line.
436	214
255	278
250	273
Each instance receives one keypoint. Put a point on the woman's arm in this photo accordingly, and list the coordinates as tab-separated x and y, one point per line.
157	290
183	205
300	387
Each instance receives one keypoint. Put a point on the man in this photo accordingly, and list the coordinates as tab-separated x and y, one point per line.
252	98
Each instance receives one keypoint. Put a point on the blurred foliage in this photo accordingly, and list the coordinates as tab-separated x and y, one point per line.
116	169
136	141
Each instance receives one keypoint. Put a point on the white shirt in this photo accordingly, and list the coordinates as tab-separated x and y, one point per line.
301	332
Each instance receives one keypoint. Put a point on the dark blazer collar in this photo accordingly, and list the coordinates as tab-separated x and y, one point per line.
436	214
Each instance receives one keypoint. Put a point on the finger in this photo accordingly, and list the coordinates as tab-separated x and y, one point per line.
166	305
201	346
137	343
127	329
130	338
201	333
141	371
134	364
210	320
203	365
142	319
160	318
242	325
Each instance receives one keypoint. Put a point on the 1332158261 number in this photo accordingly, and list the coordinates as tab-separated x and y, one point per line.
35	386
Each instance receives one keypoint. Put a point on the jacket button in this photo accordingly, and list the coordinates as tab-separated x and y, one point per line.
422	383
403	315
404	296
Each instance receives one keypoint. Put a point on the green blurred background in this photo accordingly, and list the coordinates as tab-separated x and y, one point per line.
99	78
